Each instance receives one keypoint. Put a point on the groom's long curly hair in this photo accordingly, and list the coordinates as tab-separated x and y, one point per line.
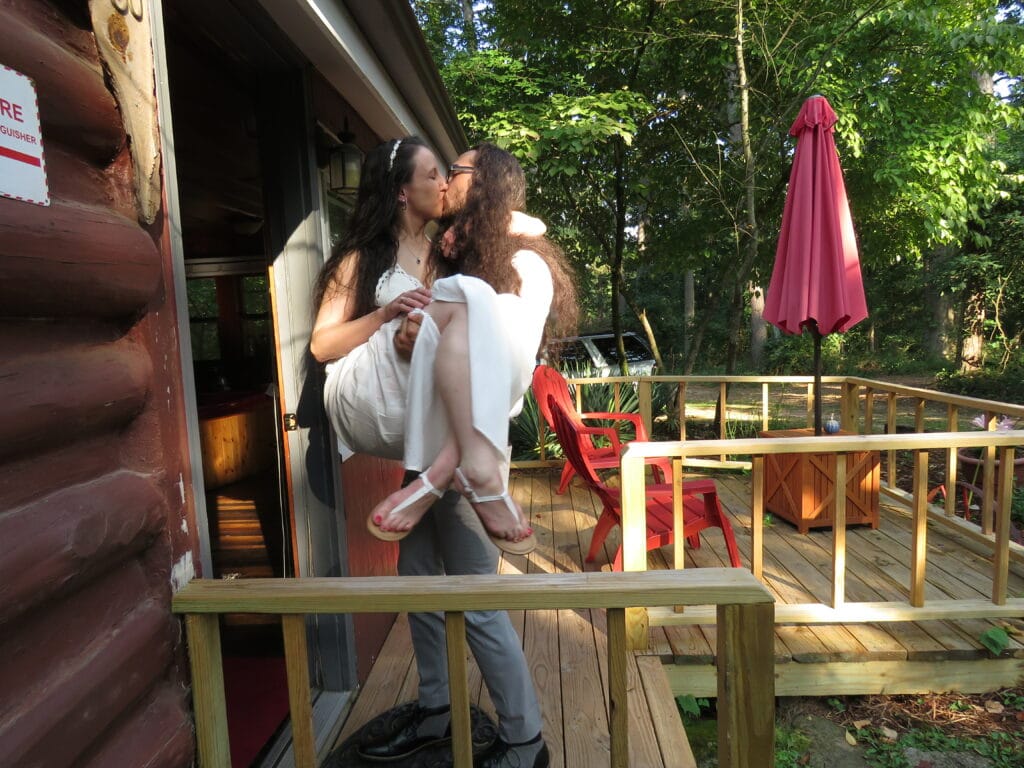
479	242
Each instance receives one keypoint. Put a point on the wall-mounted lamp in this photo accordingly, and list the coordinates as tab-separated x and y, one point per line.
344	164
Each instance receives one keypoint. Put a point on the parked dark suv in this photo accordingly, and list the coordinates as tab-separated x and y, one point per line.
596	354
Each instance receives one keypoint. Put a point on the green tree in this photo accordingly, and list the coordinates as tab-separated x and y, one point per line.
655	132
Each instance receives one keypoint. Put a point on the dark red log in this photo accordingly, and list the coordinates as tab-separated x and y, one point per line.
74	260
80	665
155	734
75	107
64	20
60	542
54	398
73	179
36	476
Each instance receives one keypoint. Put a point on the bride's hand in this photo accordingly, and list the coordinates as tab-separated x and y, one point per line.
417	298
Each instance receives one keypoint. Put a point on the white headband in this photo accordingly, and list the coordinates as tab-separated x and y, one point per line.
394	151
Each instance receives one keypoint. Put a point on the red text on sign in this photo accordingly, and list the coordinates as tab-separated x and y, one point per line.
11	110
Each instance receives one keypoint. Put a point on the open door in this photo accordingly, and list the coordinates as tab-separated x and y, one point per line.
244	202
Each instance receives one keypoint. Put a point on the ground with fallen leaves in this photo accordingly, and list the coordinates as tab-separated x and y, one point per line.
958	715
892	718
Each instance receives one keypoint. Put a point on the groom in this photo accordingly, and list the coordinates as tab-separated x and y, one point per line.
450	540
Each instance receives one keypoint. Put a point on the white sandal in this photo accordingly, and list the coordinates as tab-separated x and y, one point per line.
523	546
427	487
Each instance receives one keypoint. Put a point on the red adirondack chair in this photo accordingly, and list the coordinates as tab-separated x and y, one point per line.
547	382
701	508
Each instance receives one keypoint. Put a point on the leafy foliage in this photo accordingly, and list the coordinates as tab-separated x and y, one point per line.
1003	749
628	116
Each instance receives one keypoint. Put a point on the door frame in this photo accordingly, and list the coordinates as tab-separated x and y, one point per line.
292	192
309	457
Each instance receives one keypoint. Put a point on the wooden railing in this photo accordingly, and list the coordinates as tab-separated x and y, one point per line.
862	405
683	405
838	610
860	398
744	613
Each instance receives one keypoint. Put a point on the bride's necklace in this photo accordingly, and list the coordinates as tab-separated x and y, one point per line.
418	259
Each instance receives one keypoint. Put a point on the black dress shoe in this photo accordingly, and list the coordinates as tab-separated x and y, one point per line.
505	755
406	739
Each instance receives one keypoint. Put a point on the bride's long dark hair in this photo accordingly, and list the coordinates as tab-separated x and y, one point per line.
372	234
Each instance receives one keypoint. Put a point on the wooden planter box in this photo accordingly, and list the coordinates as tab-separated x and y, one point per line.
800	487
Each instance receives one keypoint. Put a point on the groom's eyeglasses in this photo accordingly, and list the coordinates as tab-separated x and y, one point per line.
455	169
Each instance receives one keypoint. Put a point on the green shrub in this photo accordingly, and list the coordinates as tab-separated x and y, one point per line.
988	384
523	433
597	398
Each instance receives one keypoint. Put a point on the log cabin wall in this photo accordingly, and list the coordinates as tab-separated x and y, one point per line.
95	521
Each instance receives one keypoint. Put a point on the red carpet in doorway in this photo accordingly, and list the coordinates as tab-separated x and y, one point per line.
257	703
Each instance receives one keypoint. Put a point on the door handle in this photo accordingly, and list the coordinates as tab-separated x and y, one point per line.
291	422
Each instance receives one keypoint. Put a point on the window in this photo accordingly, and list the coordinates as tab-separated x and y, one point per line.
202	316
255	316
636	350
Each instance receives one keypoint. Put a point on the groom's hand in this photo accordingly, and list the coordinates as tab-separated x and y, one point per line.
405	337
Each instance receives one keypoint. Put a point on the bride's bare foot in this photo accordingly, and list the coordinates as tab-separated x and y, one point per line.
501	517
394	517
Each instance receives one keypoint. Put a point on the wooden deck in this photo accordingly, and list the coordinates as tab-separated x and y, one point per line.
566	649
893	657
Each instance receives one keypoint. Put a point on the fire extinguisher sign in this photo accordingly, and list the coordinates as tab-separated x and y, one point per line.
22	167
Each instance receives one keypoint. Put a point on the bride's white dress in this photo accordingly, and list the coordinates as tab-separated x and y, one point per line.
382	405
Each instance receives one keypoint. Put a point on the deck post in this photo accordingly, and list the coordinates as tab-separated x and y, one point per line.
678	519
757	517
848	412
681	398
952	425
919	542
764	407
458	687
839	534
869	410
645	404
296	656
1001	555
890	428
211	714
746	686
618	704
723	432
634	542
988	483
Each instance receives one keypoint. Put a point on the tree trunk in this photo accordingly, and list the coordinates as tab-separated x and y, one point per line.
973	355
758	326
938	331
617	254
688	312
469	26
748	232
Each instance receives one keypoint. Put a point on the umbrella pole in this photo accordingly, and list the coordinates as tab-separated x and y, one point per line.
817	375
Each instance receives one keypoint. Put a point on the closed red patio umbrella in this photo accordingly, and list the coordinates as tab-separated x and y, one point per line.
816	282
